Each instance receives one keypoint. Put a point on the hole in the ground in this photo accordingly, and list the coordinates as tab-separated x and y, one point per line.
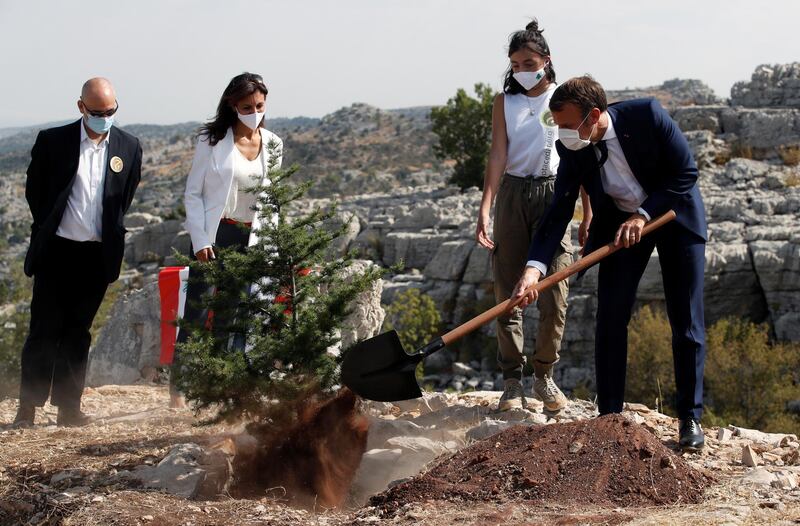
310	465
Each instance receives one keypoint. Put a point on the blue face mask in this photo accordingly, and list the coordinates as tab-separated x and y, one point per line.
99	124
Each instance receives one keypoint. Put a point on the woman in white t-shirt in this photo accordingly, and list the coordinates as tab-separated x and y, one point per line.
520	174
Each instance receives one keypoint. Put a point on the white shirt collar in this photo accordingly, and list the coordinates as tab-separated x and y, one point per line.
85	135
610	133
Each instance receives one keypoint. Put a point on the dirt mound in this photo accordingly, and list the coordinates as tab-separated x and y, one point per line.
605	461
311	464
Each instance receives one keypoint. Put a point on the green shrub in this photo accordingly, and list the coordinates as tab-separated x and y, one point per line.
748	379
651	377
415	318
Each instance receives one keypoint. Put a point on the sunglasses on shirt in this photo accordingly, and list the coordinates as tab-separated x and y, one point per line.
106	113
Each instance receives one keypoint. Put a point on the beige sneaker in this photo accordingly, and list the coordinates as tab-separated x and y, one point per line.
547	390
513	395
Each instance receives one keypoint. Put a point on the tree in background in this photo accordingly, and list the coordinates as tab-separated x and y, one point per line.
464	128
287	299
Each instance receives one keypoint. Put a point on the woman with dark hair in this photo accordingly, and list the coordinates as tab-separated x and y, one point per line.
521	174
233	155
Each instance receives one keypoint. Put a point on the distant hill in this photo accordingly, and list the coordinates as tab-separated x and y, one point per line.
8	132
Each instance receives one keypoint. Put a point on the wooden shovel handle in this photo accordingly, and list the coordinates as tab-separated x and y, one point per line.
583	263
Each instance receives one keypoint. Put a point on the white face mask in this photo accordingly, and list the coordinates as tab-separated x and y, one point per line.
571	139
529	79
251	120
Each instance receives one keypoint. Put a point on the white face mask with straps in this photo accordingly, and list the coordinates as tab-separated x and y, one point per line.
251	120
571	139
529	79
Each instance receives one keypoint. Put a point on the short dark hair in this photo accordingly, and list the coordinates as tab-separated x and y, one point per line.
531	39
584	92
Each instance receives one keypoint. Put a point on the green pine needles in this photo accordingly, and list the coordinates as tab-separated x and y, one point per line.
278	308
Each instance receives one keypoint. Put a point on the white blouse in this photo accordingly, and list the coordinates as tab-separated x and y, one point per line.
247	174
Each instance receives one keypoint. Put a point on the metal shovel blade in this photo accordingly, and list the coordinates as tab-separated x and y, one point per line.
379	369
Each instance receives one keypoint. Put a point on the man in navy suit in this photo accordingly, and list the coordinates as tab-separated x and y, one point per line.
635	164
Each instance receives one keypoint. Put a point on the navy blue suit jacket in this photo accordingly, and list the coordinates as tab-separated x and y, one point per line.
661	161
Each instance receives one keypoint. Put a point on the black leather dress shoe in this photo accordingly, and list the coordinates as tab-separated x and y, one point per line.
72	417
25	416
691	435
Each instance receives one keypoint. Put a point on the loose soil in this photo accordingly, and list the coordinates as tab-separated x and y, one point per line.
311	464
606	461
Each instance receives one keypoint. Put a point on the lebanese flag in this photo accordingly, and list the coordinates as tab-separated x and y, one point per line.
172	290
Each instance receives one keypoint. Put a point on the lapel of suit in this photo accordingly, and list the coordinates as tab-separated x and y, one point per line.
112	179
223	158
73	153
625	135
66	178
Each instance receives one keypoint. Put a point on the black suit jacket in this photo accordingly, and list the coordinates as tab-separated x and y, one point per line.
51	174
661	161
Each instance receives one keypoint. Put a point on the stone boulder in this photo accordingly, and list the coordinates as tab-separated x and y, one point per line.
450	260
188	471
141	219
366	319
414	250
770	86
130	340
155	242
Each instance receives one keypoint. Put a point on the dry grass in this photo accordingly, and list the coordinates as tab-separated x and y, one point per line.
740	150
790	154
722	156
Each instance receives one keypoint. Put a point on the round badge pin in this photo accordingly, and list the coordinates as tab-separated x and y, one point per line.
116	164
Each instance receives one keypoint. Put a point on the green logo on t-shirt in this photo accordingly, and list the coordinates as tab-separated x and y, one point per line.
546	118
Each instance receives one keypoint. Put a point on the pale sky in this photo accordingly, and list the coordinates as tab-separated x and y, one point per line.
171	59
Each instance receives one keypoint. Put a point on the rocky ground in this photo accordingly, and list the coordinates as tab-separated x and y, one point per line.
143	463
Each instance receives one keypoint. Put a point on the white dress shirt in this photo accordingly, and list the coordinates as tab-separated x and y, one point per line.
618	179
83	216
618	182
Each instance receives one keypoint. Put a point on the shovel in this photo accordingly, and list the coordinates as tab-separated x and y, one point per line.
379	369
